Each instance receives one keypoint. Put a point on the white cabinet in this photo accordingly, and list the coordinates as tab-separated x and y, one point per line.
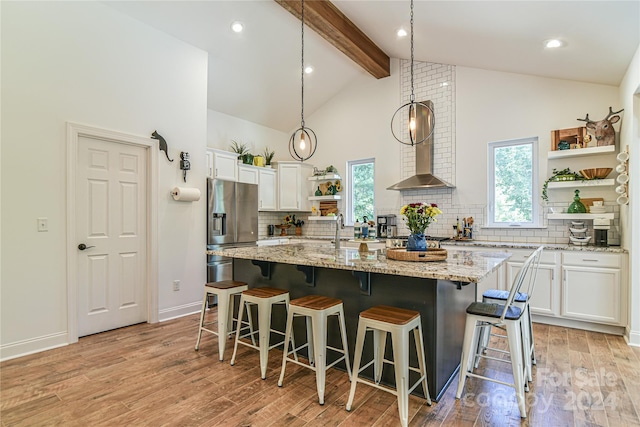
545	298
267	189
293	191
266	180
222	164
591	288
248	174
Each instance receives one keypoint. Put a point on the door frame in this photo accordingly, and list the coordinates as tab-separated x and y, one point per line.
74	132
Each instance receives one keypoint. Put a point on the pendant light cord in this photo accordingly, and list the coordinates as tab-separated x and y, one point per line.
302	69
412	99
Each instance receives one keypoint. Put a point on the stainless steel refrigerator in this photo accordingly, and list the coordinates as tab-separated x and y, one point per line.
232	221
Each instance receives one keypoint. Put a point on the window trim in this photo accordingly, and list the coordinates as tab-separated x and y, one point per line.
535	208
348	217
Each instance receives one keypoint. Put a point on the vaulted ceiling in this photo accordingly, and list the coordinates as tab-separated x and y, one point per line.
255	75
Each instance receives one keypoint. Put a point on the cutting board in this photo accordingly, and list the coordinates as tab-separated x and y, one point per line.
588	202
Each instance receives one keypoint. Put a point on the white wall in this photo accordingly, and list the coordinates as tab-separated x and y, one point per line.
85	62
630	137
223	128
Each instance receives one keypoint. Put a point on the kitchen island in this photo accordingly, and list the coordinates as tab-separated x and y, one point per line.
440	291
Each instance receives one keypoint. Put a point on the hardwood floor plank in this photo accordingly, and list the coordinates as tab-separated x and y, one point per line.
150	375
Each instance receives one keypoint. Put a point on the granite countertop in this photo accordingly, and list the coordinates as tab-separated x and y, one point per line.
460	265
547	246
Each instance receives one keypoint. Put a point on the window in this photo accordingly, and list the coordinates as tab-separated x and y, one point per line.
513	183
360	178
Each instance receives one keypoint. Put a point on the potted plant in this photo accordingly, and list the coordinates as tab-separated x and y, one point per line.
558	175
268	156
239	148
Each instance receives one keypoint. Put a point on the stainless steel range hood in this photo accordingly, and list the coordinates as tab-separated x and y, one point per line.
424	177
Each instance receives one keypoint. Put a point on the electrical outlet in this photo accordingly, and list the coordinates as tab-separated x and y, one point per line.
43	224
176	285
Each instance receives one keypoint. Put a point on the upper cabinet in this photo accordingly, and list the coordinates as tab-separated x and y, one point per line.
267	189
293	190
222	164
248	174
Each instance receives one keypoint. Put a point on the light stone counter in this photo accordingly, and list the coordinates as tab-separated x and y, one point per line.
460	265
547	246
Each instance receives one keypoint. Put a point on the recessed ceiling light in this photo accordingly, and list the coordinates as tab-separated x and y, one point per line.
237	26
402	32
308	69
553	43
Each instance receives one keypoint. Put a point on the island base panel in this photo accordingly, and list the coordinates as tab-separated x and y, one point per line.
441	303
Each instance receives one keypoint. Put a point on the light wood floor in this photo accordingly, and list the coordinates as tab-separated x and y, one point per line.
151	375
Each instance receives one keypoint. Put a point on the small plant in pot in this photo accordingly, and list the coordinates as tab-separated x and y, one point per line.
268	156
240	149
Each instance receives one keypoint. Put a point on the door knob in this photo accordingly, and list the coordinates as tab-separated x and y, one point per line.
82	246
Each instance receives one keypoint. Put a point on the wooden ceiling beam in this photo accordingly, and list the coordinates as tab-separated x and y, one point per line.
327	20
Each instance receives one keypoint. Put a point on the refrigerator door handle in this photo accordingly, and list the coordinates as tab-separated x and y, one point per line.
219	222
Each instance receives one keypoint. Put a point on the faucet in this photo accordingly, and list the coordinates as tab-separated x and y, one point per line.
339	225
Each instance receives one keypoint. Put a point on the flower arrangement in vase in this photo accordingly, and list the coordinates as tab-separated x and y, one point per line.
418	216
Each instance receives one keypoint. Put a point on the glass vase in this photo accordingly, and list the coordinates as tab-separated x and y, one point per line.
416	243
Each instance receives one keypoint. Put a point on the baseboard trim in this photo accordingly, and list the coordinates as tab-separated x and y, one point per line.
33	345
576	324
632	337
179	311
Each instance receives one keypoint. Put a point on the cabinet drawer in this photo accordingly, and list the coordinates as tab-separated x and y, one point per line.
521	255
591	259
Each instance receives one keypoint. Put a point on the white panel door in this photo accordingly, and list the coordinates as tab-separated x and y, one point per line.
111	217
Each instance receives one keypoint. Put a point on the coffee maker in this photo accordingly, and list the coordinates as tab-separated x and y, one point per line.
601	228
386	226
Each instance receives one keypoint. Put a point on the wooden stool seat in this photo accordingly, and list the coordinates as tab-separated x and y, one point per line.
226	284
316	310
225	290
264	292
387	314
315	302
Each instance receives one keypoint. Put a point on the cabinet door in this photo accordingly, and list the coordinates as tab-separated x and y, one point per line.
225	165
209	166
267	189
289	187
545	298
248	174
591	294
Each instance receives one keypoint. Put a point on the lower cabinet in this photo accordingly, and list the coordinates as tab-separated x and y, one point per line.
573	285
591	287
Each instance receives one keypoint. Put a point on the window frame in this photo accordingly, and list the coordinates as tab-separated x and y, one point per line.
348	217
536	221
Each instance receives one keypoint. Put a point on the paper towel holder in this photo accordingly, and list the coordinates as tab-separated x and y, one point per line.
181	194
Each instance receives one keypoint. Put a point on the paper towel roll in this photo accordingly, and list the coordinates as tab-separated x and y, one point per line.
183	194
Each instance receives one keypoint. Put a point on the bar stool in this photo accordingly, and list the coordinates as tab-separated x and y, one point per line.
225	291
521	300
399	322
507	316
263	298
316	309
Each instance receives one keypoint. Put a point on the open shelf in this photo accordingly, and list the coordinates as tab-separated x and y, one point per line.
335	197
583	183
608	215
322	218
327	177
577	152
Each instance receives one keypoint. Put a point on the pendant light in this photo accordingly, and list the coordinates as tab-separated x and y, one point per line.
420	119
303	141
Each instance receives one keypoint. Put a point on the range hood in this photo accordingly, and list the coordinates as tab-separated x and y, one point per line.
424	177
